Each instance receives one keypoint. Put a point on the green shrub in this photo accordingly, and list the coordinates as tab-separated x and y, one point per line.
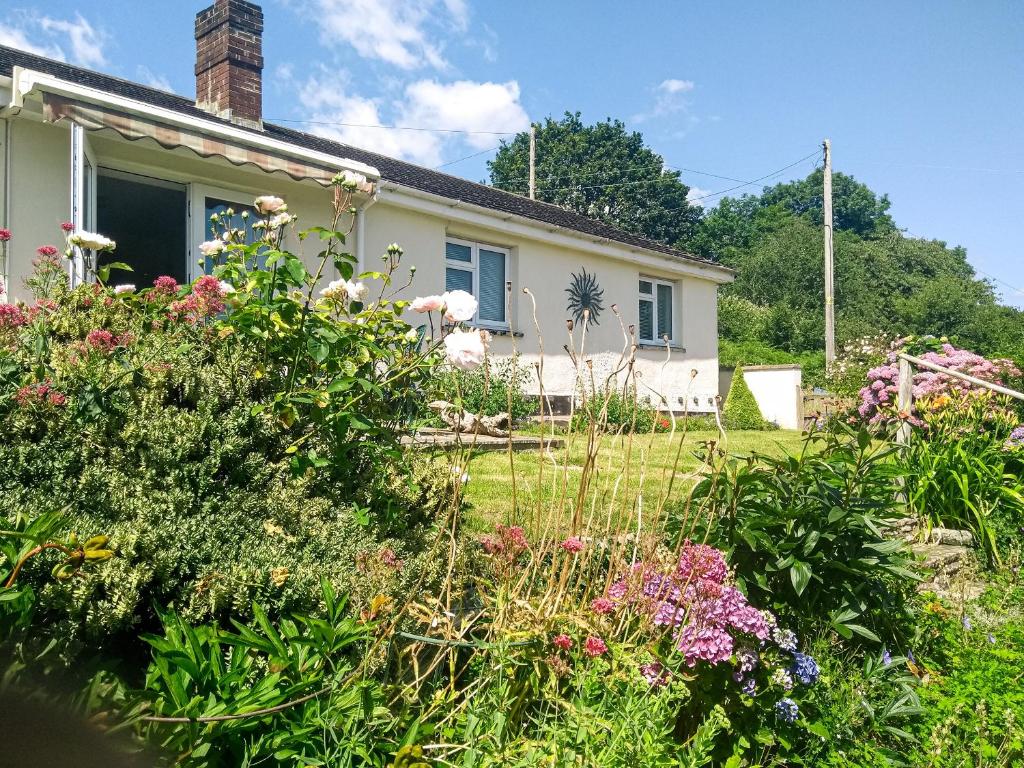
806	534
615	411
493	388
741	410
227	461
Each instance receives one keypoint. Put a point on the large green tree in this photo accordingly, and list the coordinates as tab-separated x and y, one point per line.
603	171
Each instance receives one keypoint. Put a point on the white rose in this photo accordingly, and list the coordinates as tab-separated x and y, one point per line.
427	303
211	247
459	306
334	290
226	287
268	204
356	291
91	241
465	349
281	220
124	288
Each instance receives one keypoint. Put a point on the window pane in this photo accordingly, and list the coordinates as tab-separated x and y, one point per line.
646	288
646	319
458	280
214	205
664	311
151	244
492	286
456	252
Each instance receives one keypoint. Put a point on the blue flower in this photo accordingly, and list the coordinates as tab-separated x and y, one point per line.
886	657
786	710
991	638
749	686
966	621
805	669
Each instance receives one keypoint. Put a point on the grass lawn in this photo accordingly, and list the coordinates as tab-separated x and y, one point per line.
623	466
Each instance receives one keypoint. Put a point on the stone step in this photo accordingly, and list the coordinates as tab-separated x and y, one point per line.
943	559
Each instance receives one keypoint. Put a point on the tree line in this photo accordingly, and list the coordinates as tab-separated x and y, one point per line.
887	282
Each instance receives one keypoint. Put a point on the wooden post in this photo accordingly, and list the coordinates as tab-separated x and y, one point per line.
533	162
905	400
830	310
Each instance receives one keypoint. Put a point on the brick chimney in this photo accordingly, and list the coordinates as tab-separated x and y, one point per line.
229	61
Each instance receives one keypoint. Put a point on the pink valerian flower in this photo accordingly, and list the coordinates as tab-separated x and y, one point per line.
573	544
5	235
102	340
564	642
390	560
42	393
46	250
67	227
594	646
12	316
165	284
602	605
205	300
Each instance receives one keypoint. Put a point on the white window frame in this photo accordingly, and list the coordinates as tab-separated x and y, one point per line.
652	297
83	197
473	266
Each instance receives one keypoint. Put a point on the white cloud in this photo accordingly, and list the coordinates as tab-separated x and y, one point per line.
337	112
75	39
695	193
147	76
672	86
669	97
397	32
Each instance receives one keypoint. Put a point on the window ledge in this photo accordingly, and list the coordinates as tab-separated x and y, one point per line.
661	346
502	332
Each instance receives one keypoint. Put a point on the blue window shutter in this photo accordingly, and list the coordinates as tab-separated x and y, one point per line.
492	286
456	252
458	280
664	311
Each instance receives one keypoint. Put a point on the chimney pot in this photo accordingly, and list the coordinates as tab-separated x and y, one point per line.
229	61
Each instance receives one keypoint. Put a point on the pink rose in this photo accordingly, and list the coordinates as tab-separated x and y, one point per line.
465	349
459	306
427	303
268	204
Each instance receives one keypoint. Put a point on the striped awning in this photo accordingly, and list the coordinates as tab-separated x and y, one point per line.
132	127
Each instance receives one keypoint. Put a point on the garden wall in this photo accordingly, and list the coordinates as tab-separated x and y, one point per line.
777	389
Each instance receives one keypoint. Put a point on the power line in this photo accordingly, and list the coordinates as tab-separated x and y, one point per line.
606	171
467	157
392	127
742	184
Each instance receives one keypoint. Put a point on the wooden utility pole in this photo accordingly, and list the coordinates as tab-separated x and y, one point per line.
830	307
533	162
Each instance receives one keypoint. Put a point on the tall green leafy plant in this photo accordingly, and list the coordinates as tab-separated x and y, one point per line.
807	534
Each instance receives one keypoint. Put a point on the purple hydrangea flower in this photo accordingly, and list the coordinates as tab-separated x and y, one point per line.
784	638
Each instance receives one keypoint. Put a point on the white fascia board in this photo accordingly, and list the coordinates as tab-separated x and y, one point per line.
27	82
523	226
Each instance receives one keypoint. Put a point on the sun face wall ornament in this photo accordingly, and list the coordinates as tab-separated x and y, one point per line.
585	295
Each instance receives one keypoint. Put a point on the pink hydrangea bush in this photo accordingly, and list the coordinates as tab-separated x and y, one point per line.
879	397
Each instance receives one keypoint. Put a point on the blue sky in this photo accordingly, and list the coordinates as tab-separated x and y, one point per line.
923	101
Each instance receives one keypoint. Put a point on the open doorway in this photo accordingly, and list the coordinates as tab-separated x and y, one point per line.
148	219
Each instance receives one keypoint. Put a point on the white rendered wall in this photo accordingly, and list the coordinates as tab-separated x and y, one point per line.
777	390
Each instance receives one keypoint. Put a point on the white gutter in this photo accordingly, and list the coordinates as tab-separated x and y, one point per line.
478	215
26	82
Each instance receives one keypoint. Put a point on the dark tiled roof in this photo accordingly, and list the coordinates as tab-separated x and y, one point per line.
396	171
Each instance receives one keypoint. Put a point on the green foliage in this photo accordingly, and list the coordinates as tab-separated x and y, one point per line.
205	672
963	473
210	437
972	662
615	411
495	387
592	170
741	410
855	208
806	534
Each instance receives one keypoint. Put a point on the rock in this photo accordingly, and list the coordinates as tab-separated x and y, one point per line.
951	536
